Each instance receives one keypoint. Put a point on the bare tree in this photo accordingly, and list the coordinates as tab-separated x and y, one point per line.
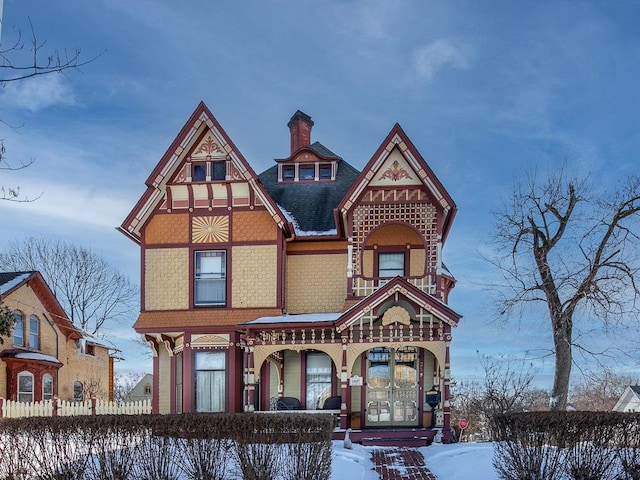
123	383
600	390
572	250
507	386
20	61
90	290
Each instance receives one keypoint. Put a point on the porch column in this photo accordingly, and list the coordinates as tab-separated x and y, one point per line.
249	379
446	406
344	385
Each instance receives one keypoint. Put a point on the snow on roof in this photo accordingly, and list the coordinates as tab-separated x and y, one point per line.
304	233
24	355
301	318
15	281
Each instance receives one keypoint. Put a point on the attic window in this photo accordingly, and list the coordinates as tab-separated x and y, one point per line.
198	172
307	172
219	171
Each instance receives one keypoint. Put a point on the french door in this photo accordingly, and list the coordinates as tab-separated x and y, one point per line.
392	386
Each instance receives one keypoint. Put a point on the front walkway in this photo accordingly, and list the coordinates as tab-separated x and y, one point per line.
400	464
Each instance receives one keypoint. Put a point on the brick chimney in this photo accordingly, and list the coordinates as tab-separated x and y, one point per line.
300	128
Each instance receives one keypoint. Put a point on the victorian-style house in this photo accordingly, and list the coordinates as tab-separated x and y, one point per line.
312	285
45	355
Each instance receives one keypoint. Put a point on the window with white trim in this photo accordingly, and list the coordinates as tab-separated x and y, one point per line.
390	265
210	282
47	387
18	329
34	332
25	387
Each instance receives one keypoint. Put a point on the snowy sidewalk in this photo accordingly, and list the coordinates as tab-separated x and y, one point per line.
400	464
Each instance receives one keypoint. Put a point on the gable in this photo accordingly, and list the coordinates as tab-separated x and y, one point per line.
398	302
202	169
398	173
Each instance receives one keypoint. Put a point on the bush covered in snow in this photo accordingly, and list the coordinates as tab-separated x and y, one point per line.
168	447
567	445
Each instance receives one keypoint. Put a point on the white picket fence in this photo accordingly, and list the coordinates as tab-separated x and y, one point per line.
56	407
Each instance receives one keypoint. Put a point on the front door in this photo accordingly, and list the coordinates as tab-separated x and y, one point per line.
392	387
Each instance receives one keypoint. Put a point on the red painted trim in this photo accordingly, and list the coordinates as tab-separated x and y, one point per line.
317	252
188	374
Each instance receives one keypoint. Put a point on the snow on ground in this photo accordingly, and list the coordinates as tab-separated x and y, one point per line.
457	461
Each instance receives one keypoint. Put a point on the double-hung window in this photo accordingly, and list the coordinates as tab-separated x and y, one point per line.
25	387
34	333
210	277
47	387
390	265
18	330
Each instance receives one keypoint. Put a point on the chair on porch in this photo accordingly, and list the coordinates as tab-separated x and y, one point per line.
288	403
332	403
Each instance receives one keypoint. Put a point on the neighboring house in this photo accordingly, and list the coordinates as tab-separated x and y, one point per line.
47	355
309	281
143	390
629	400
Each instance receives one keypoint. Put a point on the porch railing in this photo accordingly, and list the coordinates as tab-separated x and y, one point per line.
57	407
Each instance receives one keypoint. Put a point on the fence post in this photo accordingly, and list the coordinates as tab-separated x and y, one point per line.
93	406
1	407
54	404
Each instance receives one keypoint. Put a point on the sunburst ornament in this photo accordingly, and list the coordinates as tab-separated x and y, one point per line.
210	229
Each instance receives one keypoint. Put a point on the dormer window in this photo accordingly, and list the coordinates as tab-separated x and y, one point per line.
307	172
325	172
288	173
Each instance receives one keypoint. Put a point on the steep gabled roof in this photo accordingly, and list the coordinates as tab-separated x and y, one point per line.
201	120
398	139
12	281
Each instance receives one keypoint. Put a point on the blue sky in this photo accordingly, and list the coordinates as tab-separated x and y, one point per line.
483	89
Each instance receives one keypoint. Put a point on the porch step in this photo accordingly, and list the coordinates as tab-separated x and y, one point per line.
395	442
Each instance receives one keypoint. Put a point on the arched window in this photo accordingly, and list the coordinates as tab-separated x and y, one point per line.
34	332
47	387
18	330
25	387
78	392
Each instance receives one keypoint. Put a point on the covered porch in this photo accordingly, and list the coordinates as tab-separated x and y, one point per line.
382	366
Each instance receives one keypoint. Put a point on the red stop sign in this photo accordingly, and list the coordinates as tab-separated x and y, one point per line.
463	423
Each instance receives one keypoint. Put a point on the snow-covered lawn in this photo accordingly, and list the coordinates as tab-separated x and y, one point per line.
457	461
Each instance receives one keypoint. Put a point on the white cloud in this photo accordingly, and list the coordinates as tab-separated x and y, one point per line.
429	59
38	93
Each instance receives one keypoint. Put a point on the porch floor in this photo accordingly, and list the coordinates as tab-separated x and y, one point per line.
395	437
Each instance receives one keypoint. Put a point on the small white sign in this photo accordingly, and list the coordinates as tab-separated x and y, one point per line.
356	381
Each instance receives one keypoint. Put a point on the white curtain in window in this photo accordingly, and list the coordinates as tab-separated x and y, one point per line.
210	391
318	380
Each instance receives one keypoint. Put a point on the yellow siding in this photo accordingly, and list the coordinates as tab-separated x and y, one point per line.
164	372
255	276
166	285
417	258
292	374
367	263
316	283
167	228
90	370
